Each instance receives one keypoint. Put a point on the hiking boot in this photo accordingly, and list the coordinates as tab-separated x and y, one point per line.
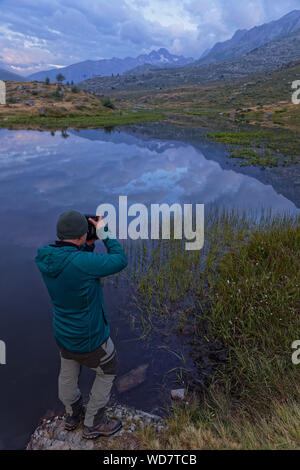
107	427
72	421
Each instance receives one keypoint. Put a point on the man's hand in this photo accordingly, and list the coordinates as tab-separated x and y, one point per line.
99	222
98	225
102	231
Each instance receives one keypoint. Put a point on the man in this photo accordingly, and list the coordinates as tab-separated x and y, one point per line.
72	272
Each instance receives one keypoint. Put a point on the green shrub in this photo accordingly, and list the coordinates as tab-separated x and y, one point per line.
106	101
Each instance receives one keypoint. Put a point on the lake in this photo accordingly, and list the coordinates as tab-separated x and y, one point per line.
42	174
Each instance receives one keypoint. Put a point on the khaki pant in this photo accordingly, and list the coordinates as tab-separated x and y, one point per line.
106	371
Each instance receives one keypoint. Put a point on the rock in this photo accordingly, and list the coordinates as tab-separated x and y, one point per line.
178	394
150	416
132	379
29	103
51	435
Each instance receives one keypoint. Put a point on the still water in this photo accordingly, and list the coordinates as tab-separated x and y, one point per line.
41	176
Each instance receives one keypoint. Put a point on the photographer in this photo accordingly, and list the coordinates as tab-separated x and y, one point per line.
72	272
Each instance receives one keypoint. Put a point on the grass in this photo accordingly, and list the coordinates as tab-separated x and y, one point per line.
261	148
70	120
255	312
242	291
195	426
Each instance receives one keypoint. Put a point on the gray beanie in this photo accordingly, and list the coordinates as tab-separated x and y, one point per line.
71	225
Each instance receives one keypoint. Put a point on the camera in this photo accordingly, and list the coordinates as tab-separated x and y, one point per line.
92	234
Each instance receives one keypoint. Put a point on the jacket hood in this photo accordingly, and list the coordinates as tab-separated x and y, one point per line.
52	260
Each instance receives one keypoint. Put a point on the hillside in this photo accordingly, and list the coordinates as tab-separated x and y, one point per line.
32	105
140	69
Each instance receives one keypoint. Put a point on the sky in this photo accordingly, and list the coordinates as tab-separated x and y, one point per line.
42	34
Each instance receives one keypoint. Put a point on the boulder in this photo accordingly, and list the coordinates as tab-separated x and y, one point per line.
51	434
178	394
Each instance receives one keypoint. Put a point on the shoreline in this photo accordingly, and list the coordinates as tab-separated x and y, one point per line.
51	435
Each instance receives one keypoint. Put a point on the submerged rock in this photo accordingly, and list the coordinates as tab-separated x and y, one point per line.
132	379
51	434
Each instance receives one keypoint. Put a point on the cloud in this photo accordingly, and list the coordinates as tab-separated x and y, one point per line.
218	20
36	35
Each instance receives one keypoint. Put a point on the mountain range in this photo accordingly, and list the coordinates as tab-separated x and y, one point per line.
7	75
106	67
265	59
261	49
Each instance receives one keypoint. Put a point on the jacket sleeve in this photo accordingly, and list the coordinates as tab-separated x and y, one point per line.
100	265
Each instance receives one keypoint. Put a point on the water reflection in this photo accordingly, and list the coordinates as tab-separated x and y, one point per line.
50	173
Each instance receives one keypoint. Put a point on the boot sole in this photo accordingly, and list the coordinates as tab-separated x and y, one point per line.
75	426
72	428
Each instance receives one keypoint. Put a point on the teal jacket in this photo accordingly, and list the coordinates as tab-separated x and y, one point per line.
72	276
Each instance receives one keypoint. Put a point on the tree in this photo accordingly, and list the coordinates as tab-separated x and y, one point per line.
106	101
60	78
47	80
58	94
